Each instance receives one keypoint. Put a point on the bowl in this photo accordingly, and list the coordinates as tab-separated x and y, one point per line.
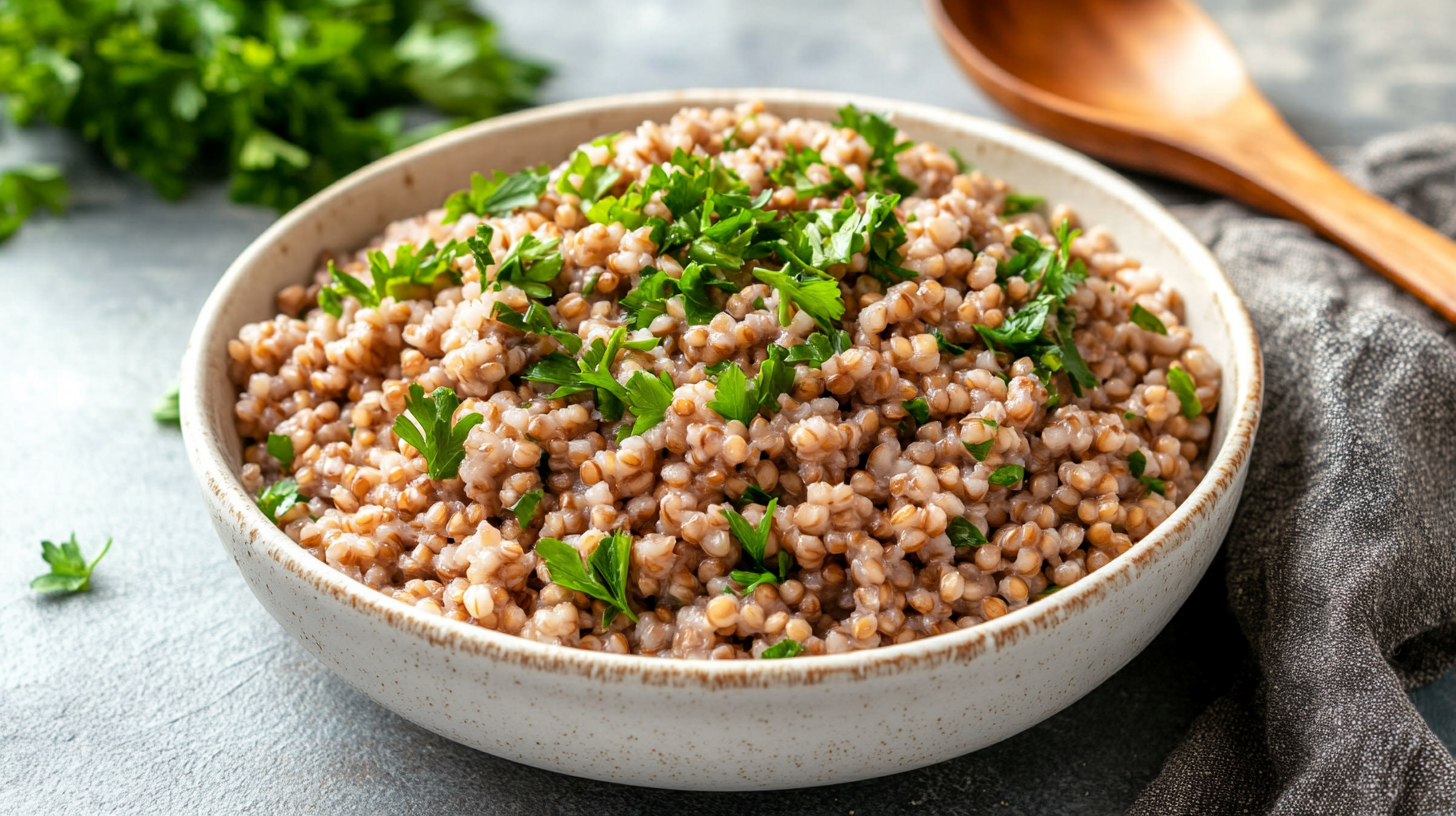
707	725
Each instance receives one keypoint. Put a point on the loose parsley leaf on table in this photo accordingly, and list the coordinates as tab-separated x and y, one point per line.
431	432
1137	462
1181	383
167	410
497	194
603	576
754	541
23	190
280	447
278	498
1145	319
69	570
788	647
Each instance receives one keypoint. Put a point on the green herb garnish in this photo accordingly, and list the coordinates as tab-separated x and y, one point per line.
820	346
536	320
981	450
815	294
1007	475
737	397
646	395
883	174
525	507
1017	203
1147	320
168	409
945	345
596	179
431	432
23	190
498	194
963	533
69	570
278	498
603	576
1137	462
753	494
1182	384
754	541
917	408
1050	590
962	166
409	276
528	265
280	447
788	647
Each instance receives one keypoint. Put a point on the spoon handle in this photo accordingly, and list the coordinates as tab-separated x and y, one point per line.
1400	247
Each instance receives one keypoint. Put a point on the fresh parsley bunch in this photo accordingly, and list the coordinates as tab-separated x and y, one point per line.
288	95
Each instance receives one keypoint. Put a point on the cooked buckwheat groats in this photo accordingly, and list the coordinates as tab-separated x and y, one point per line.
727	387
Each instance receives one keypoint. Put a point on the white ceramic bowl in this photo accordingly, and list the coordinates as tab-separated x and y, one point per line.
733	725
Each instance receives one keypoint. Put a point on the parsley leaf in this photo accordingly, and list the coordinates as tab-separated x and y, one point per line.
962	166
918	408
754	541
883	173
775	377
167	410
945	345
788	647
280	447
793	171
1049	591
731	399
278	498
981	450
1142	318
498	194
409	276
431	432
596	179
753	494
648	398
815	294
1008	475
963	533
23	190
694	285
525	507
69	570
1137	462
536	320
1182	384
820	346
1017	203
528	265
603	576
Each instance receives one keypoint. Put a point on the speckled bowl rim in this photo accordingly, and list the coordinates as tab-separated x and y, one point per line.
205	443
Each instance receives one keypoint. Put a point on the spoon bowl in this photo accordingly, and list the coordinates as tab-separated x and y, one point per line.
1155	85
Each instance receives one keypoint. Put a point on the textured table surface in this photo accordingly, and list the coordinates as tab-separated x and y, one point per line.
169	689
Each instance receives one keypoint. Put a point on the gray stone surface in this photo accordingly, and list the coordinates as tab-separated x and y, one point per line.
168	689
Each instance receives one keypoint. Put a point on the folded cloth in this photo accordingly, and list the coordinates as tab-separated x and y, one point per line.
1341	563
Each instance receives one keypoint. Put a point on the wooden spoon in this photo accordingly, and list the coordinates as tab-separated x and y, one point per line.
1155	85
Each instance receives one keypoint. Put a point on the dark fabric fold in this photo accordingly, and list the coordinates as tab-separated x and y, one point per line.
1341	563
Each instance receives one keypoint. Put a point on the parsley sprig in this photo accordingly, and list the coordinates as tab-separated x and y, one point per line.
497	194
525	507
645	395
738	397
528	265
603	576
427	425
69	570
754	541
818	347
883	173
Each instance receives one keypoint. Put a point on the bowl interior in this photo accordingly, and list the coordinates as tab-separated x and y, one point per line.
416	180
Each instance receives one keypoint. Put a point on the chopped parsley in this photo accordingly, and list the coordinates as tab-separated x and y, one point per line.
648	300
603	576
528	265
498	194
525	507
754	541
737	397
962	166
883	173
1051	589
280	447
793	171
69	570
647	396
410	275
917	408
981	450
431	432
963	533
1145	319
945	345
536	320
788	647
1007	475
1137	462
168	409
596	179
278	498
817	295
820	346
753	494
1018	203
1181	382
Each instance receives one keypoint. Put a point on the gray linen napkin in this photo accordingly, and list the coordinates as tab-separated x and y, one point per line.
1341	563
